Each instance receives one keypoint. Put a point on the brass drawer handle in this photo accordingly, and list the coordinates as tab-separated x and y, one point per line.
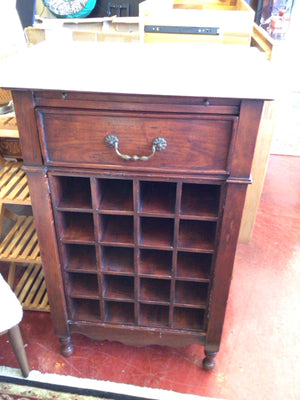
158	144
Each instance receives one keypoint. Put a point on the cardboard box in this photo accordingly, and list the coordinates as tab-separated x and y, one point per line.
124	29
209	21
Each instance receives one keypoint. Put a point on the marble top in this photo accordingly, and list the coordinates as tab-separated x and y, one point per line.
226	71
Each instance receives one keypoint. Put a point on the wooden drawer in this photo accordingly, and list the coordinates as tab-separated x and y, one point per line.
194	142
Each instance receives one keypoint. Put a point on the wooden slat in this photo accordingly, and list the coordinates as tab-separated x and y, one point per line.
31	289
10	234
15	235
24	194
9	167
13	184
37	277
23	280
35	252
31	245
27	283
21	242
37	291
18	188
20	250
45	301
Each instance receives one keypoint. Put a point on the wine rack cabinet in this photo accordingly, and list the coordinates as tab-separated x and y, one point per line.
137	201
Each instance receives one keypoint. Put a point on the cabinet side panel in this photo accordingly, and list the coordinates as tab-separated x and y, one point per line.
248	126
42	211
234	203
29	139
259	168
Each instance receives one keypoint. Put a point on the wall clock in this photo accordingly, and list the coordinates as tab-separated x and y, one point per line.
70	8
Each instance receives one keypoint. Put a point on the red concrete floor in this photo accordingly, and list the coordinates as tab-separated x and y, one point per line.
260	352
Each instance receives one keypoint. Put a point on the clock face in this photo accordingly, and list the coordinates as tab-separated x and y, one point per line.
70	8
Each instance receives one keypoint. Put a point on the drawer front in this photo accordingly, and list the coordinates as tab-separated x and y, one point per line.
194	142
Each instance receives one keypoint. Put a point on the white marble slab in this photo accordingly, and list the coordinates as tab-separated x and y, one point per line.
133	68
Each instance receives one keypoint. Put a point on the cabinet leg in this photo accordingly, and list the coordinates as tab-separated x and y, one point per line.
209	362
66	346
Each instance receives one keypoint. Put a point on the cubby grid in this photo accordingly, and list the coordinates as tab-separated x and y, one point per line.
134	251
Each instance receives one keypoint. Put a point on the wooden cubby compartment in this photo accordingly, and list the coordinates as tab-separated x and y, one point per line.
191	293
196	235
200	201
83	286
154	315
193	266
157	232
118	287
117	260
155	290
188	318
76	227
115	195
155	263
116	229
157	198
85	310
119	313
79	258
72	193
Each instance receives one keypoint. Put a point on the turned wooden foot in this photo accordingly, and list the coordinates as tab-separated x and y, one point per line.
66	346
209	362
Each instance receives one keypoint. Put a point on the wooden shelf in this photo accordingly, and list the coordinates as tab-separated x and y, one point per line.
20	244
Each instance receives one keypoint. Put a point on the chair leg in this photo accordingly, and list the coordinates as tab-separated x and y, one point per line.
16	341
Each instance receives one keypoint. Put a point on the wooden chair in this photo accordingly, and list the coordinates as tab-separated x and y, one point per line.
11	314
